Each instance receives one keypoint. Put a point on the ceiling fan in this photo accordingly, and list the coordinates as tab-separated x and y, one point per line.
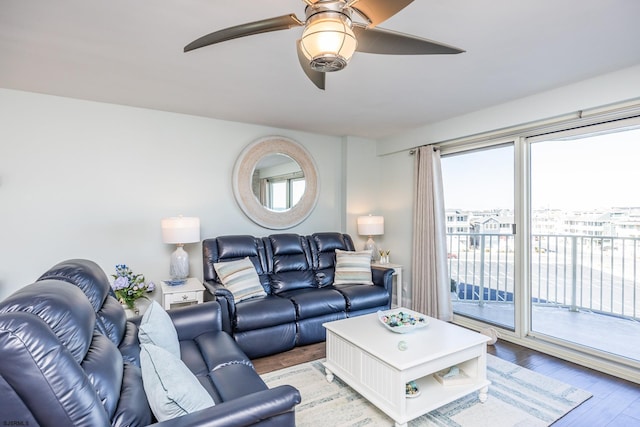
330	36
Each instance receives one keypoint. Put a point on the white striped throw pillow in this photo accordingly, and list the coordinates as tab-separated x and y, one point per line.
353	268
241	278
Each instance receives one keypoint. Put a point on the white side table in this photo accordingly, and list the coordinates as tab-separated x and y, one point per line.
189	293
397	273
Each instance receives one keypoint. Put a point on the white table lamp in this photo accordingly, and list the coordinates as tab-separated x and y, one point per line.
371	226
179	231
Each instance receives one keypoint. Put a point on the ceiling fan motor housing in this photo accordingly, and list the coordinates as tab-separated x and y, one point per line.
328	41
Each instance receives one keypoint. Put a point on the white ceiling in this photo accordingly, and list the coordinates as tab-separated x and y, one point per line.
130	52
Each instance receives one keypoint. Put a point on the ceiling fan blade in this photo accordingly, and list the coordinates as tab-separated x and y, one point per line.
377	11
283	22
317	77
378	40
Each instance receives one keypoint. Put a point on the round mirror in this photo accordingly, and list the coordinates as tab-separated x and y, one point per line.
275	182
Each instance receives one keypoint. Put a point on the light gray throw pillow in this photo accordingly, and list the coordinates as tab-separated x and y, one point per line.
171	388
157	328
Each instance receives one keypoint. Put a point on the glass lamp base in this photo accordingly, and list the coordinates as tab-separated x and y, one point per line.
371	245
179	267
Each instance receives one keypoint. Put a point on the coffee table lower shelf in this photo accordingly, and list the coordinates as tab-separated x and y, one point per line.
432	396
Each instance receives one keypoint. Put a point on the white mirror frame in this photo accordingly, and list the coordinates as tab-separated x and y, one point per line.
249	203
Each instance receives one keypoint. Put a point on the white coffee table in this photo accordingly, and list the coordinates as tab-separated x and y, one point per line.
366	356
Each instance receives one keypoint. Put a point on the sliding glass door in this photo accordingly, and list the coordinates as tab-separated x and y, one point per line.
585	234
572	276
479	207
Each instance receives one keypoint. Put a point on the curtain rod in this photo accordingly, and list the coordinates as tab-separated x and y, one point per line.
585	117
413	150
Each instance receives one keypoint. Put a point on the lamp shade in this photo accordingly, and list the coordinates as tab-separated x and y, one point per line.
179	230
328	41
370	225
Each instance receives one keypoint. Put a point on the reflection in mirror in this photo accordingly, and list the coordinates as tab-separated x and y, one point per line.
278	182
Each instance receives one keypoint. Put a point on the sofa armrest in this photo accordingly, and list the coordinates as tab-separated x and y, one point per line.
382	276
243	411
194	320
226	301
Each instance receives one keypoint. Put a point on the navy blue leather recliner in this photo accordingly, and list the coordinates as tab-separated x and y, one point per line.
69	357
297	275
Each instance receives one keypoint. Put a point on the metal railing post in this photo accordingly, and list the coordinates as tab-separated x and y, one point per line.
481	296
574	273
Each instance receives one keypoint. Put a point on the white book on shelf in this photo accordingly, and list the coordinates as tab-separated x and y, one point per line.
447	378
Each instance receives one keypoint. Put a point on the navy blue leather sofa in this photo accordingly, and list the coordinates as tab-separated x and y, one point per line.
69	357
297	275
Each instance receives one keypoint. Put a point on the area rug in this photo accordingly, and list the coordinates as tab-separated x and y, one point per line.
517	397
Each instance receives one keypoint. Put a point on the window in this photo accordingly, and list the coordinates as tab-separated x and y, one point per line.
284	192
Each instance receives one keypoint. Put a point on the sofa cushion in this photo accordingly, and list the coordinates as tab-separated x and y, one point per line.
133	407
316	302
94	283
104	367
289	261
157	328
61	305
264	312
210	351
171	388
267	341
362	297
235	380
328	242
353	268
292	280
241	278
130	345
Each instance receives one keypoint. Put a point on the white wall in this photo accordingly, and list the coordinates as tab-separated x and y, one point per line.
397	165
362	186
92	180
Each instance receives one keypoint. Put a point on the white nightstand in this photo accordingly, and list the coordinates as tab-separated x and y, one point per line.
189	293
397	273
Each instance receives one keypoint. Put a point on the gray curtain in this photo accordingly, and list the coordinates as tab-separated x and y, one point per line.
430	278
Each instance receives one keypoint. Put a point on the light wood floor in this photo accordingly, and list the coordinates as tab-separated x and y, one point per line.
615	402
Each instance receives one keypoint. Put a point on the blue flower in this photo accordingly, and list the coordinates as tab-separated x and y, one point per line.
129	286
120	283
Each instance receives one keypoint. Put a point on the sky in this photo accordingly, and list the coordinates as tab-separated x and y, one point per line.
599	171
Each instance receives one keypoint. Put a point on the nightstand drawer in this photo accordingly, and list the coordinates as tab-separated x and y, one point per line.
182	297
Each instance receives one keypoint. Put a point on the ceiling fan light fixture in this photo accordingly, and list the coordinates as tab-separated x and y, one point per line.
328	41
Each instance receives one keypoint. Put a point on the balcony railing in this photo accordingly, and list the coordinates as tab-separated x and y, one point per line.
599	274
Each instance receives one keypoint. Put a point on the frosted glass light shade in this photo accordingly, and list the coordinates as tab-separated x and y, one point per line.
370	225
180	230
329	35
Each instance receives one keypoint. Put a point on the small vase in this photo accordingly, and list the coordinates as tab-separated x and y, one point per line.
131	311
139	307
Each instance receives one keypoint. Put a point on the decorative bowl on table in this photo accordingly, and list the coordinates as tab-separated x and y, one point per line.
402	321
